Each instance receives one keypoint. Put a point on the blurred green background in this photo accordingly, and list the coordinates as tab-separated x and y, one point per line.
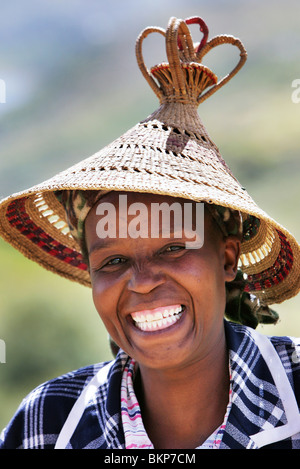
72	86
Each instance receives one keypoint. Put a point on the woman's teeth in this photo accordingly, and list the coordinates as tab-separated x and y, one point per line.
157	319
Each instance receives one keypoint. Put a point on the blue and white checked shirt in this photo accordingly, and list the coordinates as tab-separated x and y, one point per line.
81	410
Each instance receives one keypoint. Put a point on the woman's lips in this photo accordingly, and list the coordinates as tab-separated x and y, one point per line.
150	320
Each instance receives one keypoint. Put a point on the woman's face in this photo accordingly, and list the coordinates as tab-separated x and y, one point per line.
161	302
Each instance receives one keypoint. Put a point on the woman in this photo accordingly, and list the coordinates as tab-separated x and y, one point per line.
163	304
169	242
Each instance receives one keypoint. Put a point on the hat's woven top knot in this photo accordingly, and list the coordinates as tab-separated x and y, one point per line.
183	78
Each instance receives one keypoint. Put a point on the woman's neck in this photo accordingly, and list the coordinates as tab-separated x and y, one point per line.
182	407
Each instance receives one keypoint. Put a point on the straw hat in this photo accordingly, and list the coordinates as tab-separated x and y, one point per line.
171	153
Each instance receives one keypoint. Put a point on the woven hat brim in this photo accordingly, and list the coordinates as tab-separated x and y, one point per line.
156	158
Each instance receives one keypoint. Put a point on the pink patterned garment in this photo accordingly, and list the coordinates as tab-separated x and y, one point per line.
134	431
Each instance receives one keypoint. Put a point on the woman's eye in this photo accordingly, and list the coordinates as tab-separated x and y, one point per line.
174	248
116	261
108	265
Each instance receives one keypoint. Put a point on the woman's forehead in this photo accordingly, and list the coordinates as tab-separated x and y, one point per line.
147	216
145	197
156	207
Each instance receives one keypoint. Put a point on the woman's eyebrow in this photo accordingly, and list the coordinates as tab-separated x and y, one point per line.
101	244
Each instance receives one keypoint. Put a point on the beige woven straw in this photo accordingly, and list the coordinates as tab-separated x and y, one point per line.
170	153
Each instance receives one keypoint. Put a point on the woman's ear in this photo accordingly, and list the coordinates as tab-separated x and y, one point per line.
231	257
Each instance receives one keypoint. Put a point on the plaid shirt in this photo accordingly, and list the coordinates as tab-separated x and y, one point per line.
82	409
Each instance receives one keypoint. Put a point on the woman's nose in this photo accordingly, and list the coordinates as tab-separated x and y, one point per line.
145	279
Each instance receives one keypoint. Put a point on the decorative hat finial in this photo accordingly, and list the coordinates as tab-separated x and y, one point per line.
183	78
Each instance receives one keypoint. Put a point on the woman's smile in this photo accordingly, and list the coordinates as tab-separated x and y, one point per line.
157	319
161	301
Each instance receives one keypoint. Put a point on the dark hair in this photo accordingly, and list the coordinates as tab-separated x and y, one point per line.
243	307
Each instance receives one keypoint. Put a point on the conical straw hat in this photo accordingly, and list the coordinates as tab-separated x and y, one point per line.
169	153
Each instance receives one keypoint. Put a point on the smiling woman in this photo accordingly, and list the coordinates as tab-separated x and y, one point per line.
181	275
134	278
163	304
